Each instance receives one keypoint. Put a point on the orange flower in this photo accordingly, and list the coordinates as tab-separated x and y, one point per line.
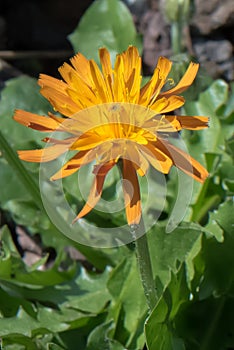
111	119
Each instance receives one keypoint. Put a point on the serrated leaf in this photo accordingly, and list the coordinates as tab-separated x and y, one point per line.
93	294
106	23
18	342
99	338
72	305
214	229
13	269
167	250
218	256
224	216
84	293
23	324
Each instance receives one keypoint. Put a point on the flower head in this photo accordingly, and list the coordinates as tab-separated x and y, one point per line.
109	118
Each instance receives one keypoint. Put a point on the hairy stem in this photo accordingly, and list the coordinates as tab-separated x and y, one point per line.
144	263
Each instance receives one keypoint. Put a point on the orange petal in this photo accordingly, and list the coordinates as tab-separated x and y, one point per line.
61	102
131	61
147	91
99	82
138	160
173	123
105	62
81	65
107	71
162	123
55	84
87	141
75	163
68	73
157	158
132	73
133	84
55	91
43	155
185	82
77	89
165	105
37	122
119	90
96	189
183	161
131	192
154	86
191	122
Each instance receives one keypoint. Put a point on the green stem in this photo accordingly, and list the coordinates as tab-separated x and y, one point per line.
144	263
176	37
21	171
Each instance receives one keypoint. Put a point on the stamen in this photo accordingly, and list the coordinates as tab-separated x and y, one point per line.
171	81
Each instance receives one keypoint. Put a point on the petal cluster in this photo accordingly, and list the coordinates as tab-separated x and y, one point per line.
109	118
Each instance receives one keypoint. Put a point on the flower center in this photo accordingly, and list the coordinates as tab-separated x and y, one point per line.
119	132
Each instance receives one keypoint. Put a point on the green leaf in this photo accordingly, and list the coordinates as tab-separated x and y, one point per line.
21	93
18	342
209	140
219	257
11	189
159	328
8	304
12	268
55	309
128	308
92	295
85	292
226	112
52	346
224	216
106	23
230	146
99	338
209	146
214	229
26	213
23	324
166	250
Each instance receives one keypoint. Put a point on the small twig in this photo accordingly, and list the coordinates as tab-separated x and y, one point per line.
12	55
